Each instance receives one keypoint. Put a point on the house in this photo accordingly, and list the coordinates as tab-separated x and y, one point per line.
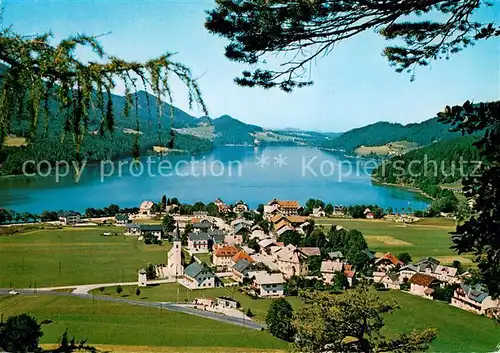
241	255
132	229
283	230
275	219
265	246
291	261
350	273
318	212
69	218
240	270
281	224
336	256
241	229
155	230
122	220
241	221
227	302
431	267
427	265
202	225
198	243
297	221
268	284
240	207
328	270
146	208
474	299
222	256
338	211
368	214
407	272
285	207
200	214
142	278
217	237
391	281
233	239
387	262
445	274
310	251
198	276
259	235
423	285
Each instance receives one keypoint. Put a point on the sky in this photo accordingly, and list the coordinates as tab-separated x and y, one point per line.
353	86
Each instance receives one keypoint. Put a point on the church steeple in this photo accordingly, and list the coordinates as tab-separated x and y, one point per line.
177	233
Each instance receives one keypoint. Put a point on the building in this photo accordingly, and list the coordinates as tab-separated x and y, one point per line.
122	219
240	270
198	276
155	230
431	267
241	221
69	218
222	257
132	229
198	243
221	206
268	284
240	207
174	265
336	256
310	251
146	208
285	207
227	302
142	278
318	212
391	281
473	299
328	270
241	229
423	285
387	262
233	239
350	273
291	261
241	255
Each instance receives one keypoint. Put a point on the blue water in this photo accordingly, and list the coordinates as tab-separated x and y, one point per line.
230	173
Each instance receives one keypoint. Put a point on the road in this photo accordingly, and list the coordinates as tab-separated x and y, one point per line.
164	306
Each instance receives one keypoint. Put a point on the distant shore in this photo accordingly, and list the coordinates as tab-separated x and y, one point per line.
402	186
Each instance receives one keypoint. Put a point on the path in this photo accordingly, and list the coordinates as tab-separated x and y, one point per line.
85	288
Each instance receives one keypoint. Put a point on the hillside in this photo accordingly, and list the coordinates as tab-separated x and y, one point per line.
382	133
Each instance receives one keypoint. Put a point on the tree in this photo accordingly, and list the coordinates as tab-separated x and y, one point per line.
480	233
37	73
168	223
306	30
327	320
279	320
260	208
290	237
163	201
119	290
329	209
150	271
101	289
138	292
340	281
254	244
20	334
212	209
405	258
458	265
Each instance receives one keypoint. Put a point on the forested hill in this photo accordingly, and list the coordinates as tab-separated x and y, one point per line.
382	133
428	167
228	130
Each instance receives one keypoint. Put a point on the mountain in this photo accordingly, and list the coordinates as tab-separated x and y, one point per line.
382	133
230	131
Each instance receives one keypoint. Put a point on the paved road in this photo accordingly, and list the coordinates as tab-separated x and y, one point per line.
85	288
165	306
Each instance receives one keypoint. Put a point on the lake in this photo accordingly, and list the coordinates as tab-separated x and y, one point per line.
255	175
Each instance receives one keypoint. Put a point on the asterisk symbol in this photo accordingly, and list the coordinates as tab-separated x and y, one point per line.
262	161
280	161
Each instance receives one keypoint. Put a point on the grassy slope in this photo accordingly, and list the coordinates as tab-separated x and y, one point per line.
84	255
122	324
174	292
458	330
429	237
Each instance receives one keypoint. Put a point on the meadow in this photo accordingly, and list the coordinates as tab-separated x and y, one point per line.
427	237
126	325
71	256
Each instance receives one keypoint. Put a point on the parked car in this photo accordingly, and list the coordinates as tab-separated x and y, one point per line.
13	292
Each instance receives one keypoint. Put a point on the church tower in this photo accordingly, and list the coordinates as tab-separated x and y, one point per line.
174	266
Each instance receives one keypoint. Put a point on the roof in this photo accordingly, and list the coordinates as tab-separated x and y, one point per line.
195	268
297	219
202	225
276	218
310	251
146	205
241	265
368	253
198	236
281	224
331	266
241	226
284	230
68	213
262	277
132	225
391	278
242	255
422	279
450	271
121	217
317	209
388	256
241	220
151	227
266	242
336	255
475	293
430	259
227	250
409	267
288	203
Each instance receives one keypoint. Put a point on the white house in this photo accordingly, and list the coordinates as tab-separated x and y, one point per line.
291	261
222	257
329	268
473	299
198	243
268	284
318	212
198	276
146	207
69	218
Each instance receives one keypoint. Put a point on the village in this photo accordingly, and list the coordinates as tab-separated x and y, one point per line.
254	256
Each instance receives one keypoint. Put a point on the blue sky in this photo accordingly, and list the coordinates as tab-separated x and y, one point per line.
354	85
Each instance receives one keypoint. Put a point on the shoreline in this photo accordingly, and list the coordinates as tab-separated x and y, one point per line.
401	186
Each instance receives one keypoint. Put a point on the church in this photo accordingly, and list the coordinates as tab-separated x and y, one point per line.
174	266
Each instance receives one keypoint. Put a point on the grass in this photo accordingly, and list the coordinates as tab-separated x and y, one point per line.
206	258
428	237
127	325
457	330
70	256
174	292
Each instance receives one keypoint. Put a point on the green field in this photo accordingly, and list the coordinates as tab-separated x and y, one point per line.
173	292
458	330
429	237
123	324
70	256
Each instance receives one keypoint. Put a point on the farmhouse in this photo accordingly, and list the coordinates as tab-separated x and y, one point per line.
198	243
146	208
240	207
267	284
292	262
318	212
473	299
423	285
328	270
122	220
198	276
132	229
222	257
69	218
284	207
387	262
